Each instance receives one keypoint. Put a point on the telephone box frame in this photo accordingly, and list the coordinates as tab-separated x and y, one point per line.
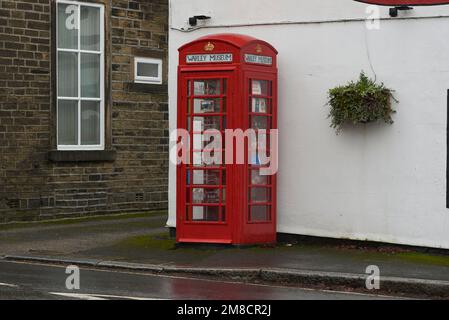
240	60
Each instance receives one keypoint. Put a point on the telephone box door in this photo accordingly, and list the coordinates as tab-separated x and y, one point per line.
204	213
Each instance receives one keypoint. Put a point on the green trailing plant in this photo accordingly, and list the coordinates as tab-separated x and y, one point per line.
363	101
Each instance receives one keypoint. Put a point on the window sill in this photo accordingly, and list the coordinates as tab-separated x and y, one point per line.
82	156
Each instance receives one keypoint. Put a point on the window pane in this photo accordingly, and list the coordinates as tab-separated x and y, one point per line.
201	124
90	75
260	87
90	28
205	213
260	194
207	159
260	122
258	179
147	69
254	158
188	105
210	141
67	26
206	105
90	123
259	105
259	213
67	122
204	177
205	195
206	87
67	74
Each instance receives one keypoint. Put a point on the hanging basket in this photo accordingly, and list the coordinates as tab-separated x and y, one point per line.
360	102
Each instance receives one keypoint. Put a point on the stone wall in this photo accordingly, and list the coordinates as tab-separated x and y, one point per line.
35	185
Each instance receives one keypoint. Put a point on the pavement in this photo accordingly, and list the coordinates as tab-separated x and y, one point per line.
140	242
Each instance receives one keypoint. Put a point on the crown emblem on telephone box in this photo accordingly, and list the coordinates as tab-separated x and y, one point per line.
209	46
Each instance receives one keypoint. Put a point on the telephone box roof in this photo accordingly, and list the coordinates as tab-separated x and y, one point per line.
235	39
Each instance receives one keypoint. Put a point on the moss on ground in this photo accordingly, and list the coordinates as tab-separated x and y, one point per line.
424	258
163	242
69	221
160	241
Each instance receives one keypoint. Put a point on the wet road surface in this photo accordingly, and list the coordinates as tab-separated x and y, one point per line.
36	281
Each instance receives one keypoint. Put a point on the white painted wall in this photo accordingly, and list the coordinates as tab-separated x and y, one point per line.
377	182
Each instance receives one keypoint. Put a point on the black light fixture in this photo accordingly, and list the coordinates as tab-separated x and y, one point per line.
394	11
193	21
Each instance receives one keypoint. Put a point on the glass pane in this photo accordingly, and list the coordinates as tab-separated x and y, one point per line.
203	177
198	159
259	213
206	105
67	122
205	213
210	141
207	159
260	87
204	195
147	69
90	28
260	122
206	87
187	127
259	105
67	74
205	123
67	26
197	142
90	75
258	179
188	124
189	103
90	122
260	194
254	158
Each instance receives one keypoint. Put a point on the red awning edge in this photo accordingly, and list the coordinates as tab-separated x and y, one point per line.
393	3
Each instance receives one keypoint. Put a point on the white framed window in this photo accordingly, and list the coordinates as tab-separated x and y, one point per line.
80	75
147	70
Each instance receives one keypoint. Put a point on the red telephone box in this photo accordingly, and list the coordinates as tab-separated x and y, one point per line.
225	81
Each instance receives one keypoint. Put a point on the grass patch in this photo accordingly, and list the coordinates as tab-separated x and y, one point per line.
424	258
70	221
160	241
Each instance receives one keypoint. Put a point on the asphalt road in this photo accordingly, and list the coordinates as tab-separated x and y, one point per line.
36	281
